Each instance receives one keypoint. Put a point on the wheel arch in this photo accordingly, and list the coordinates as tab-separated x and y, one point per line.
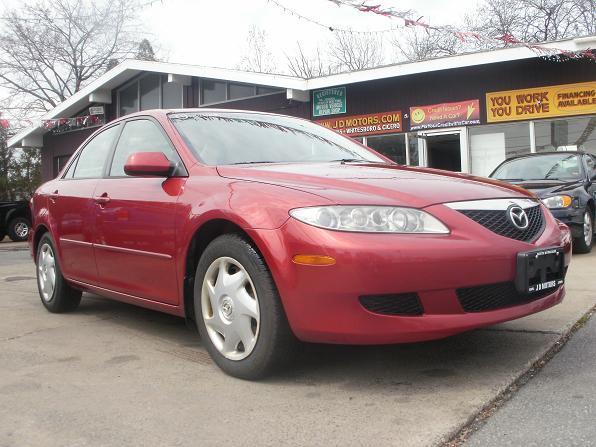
40	230
201	238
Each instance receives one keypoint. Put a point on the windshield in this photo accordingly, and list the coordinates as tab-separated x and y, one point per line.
544	167
224	138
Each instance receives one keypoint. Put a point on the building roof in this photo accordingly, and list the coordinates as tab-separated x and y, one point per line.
131	68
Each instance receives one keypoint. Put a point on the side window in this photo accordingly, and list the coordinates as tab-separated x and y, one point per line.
140	136
70	171
94	154
591	164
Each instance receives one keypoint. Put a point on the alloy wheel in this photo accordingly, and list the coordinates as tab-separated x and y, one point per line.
230	308
46	272
21	230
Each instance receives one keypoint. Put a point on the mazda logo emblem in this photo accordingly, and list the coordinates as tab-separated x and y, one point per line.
518	217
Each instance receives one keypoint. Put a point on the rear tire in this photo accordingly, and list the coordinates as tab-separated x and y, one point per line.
583	244
238	311
18	229
2	235
56	294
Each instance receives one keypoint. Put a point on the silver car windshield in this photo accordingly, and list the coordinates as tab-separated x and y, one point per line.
224	138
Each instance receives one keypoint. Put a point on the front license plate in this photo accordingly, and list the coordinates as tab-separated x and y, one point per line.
540	270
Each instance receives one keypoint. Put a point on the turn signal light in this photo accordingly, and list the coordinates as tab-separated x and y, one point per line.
313	260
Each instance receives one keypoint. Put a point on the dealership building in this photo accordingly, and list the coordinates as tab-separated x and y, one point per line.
463	113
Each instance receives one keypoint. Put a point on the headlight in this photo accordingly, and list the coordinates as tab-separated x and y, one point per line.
370	219
557	201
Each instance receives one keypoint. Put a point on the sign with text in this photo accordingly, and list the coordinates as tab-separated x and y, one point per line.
361	125
329	101
96	110
543	102
462	113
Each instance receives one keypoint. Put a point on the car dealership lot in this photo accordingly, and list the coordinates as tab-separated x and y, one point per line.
114	374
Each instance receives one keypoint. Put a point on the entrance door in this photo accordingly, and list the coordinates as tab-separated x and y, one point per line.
445	149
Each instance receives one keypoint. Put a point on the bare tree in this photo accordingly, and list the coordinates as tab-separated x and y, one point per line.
50	50
305	66
533	20
353	51
258	56
417	44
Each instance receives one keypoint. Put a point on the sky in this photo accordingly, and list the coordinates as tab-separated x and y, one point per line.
213	32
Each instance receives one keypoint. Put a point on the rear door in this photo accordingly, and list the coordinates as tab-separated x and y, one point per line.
72	209
136	230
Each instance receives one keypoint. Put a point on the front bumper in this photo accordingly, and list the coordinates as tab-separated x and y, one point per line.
322	302
573	218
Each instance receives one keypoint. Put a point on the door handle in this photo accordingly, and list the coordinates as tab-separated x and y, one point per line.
102	200
53	196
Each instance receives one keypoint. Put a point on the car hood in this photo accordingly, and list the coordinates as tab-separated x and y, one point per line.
379	184
545	188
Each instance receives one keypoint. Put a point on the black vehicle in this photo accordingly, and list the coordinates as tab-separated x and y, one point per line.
566	183
15	220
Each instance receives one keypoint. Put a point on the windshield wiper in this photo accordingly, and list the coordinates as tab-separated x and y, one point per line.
253	162
349	160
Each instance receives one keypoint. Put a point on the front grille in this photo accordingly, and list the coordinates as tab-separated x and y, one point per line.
495	296
397	304
497	222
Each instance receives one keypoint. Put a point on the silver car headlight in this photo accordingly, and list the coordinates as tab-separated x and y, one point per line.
370	219
562	201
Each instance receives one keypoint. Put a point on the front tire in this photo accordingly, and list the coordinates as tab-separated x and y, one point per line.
583	244
56	294
238	311
18	229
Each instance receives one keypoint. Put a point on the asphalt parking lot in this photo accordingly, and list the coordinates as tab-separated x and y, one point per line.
112	374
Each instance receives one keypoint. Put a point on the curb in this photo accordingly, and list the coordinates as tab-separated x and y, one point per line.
460	435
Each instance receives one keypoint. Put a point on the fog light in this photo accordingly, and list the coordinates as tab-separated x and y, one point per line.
313	260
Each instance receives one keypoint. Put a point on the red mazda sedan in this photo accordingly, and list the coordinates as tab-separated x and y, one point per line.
264	229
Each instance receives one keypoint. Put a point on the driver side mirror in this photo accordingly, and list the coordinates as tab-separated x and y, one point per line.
149	164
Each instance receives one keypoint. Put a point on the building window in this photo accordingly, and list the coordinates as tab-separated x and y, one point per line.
171	94
238	91
151	91
213	91
490	145
391	146
569	134
128	99
267	90
414	148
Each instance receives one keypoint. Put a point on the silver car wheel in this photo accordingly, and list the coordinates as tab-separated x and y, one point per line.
21	230
230	308
588	229
46	272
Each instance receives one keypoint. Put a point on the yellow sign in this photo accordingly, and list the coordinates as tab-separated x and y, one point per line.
544	102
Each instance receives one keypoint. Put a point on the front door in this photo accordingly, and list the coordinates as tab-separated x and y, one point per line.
445	149
135	244
73	210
